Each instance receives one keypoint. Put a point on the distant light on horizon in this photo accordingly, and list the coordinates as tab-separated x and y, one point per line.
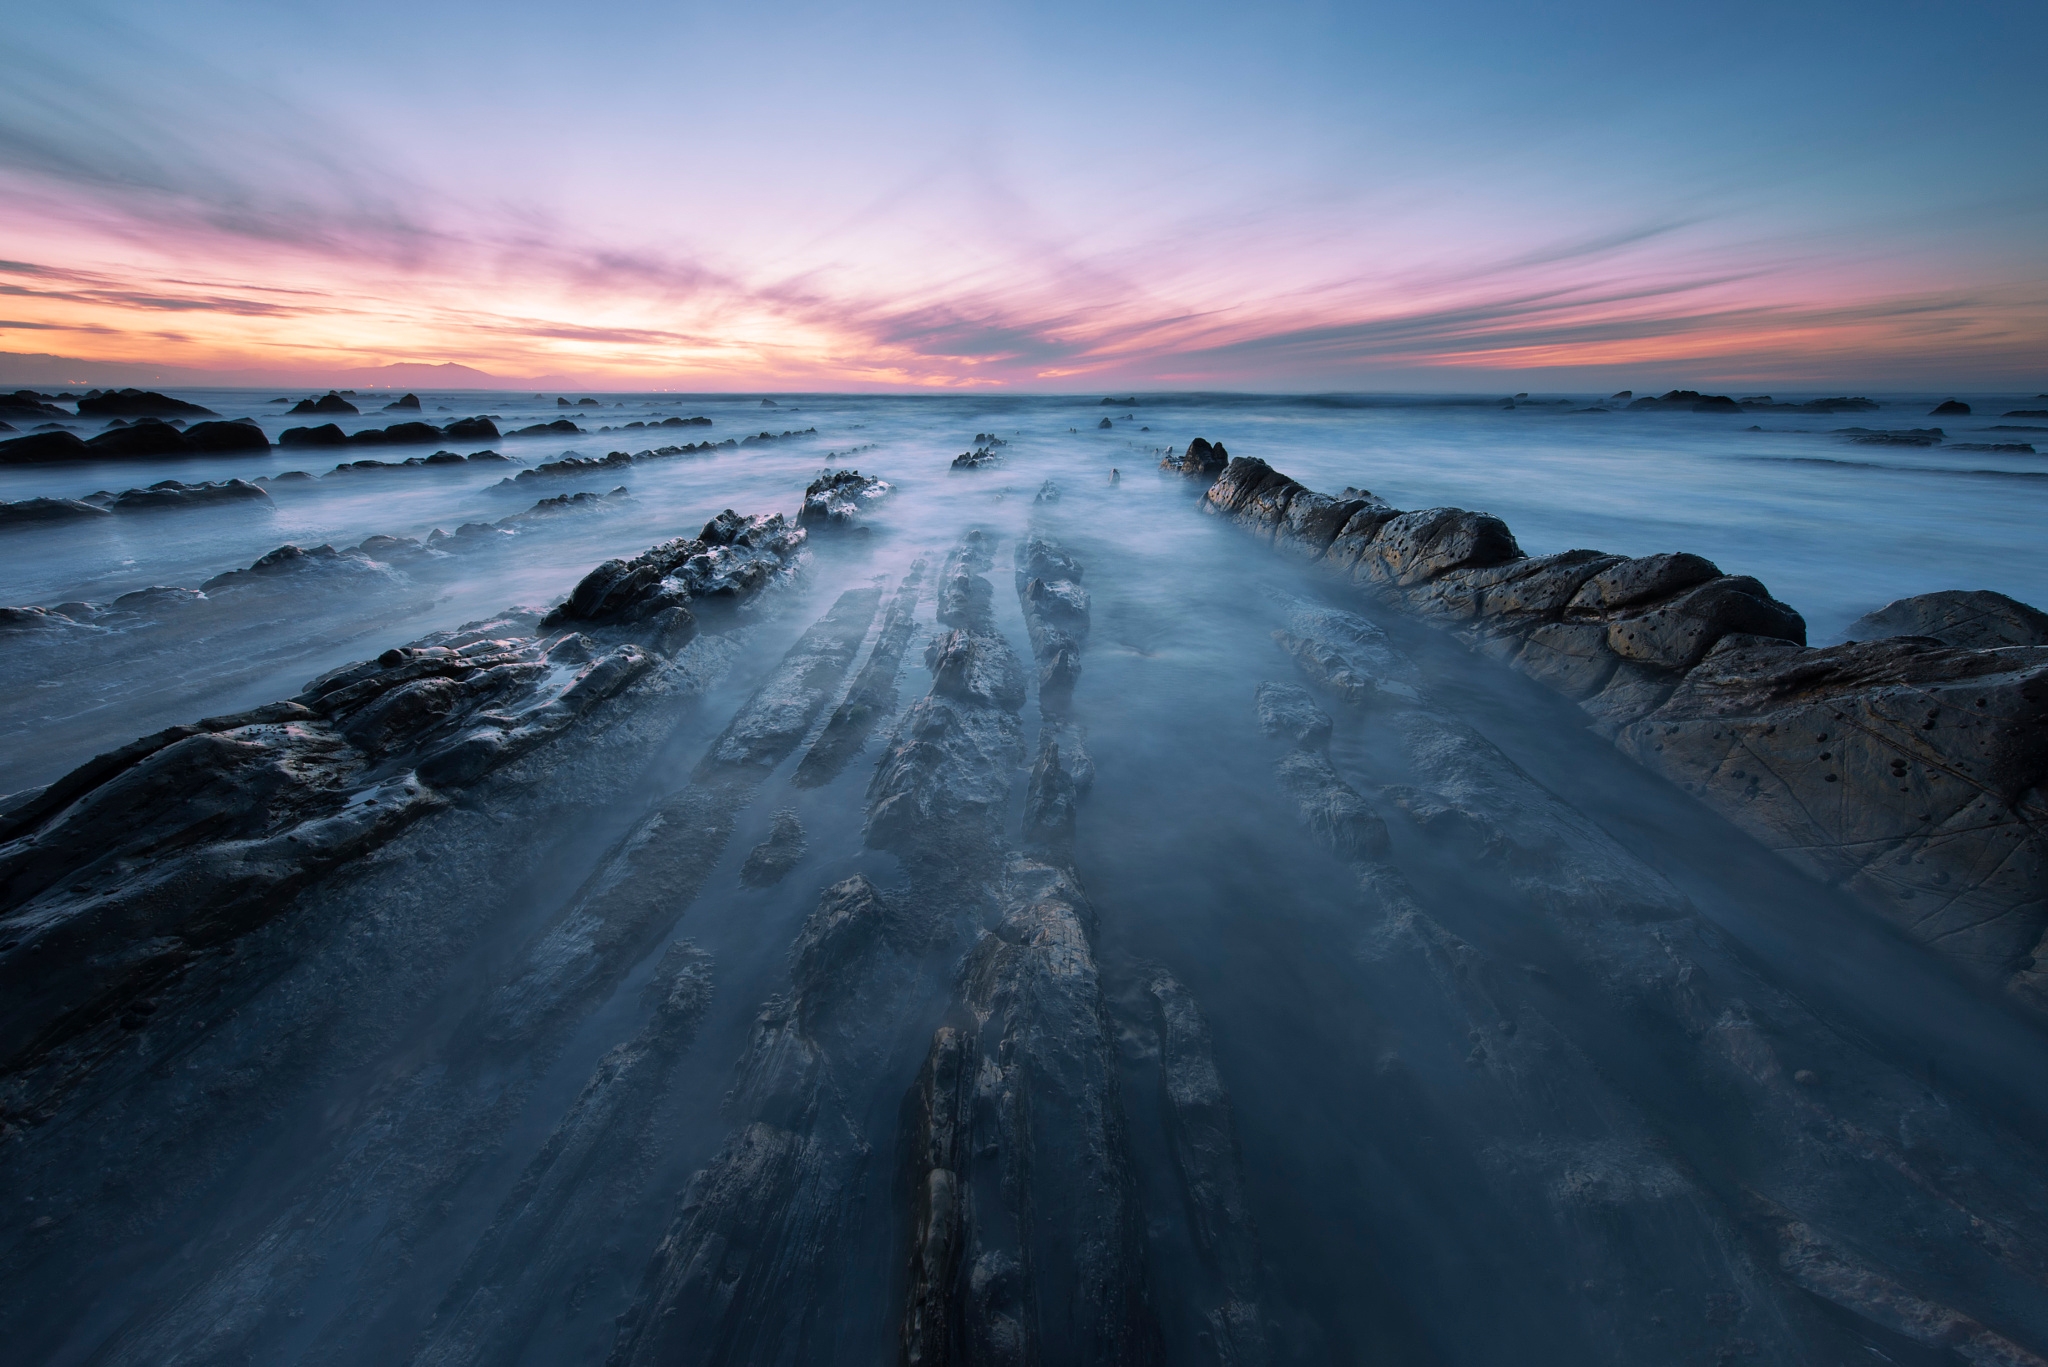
926	199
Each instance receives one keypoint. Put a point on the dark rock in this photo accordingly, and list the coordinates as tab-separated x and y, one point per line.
1105	424
219	437
138	403
769	862
873	695
1912	436
559	427
26	403
331	402
327	434
47	510
2028	413
39	447
1951	408
170	493
1920	795
1968	620
1201	460
471	429
769	403
840	499
149	437
410	403
1688	400
412	433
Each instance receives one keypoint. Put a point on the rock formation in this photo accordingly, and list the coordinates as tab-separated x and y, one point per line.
1904	770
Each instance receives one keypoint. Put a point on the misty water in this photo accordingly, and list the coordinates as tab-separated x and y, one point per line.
232	1197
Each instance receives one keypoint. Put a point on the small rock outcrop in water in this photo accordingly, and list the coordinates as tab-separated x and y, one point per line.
1687	401
169	493
986	453
769	862
138	403
1950	408
410	403
330	402
1906	771
33	510
840	499
1202	460
1969	620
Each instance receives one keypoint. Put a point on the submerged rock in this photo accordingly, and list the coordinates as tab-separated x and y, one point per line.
1923	799
769	862
29	510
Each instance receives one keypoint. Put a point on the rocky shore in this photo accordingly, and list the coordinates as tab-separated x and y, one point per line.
1906	769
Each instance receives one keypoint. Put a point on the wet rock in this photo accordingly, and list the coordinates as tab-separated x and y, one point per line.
1902	770
975	667
732	559
1287	712
170	493
301	566
1685	666
331	402
769	862
40	447
873	695
1688	401
1951	408
138	403
580	1188
471	429
29	510
1915	436
406	403
26	404
559	427
1105	425
1201	460
1968	620
326	434
840	499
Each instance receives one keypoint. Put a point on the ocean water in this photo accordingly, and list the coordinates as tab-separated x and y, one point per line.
1410	1208
1832	527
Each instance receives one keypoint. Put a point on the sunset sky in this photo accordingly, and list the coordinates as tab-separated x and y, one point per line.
1453	196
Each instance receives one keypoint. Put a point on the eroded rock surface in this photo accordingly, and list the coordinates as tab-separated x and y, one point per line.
1927	804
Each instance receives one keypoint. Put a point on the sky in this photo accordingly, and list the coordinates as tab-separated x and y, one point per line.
1467	196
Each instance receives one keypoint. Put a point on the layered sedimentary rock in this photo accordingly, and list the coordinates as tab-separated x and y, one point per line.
748	1269
1026	1238
840	499
1905	770
116	876
1756	1185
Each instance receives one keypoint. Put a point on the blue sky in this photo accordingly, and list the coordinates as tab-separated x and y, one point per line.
1046	196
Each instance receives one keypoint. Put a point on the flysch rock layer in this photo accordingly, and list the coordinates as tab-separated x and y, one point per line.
1026	1240
1906	770
1803	1166
135	883
760	1234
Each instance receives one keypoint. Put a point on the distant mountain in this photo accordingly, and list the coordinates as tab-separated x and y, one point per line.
447	375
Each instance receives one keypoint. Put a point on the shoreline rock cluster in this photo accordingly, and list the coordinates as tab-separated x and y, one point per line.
116	876
1907	770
